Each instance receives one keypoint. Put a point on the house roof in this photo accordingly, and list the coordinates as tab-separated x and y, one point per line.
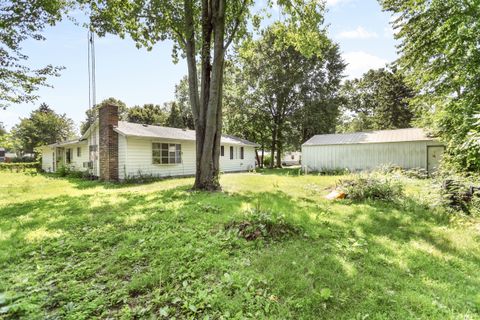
380	136
66	143
150	131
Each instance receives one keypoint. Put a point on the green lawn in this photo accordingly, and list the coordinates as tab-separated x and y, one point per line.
72	249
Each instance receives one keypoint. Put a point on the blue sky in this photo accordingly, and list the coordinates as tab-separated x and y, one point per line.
137	76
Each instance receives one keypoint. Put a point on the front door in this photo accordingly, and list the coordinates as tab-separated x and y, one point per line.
434	155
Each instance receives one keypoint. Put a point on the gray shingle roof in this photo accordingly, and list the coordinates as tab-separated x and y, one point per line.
399	135
151	131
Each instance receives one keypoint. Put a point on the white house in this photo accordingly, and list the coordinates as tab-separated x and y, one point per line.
406	148
114	150
292	158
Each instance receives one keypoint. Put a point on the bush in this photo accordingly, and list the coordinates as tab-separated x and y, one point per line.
264	224
363	187
23	160
267	161
461	194
19	166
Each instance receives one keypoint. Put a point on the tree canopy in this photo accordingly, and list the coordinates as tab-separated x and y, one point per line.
379	100
441	58
282	85
92	114
152	114
44	126
21	20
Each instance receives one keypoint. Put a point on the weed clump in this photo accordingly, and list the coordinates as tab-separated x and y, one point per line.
371	187
267	225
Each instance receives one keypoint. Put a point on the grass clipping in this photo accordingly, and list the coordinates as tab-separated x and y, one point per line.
267	225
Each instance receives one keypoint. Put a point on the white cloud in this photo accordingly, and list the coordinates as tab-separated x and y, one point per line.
360	62
359	33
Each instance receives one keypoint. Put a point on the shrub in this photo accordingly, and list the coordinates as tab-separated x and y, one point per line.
267	161
461	194
63	171
363	187
264	224
19	166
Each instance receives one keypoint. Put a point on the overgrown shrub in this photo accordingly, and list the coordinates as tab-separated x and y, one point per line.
63	171
414	173
267	161
19	166
371	187
262	224
461	194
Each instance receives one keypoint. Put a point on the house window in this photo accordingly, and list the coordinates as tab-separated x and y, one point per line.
241	153
166	153
222	151
79	152
93	148
231	153
68	155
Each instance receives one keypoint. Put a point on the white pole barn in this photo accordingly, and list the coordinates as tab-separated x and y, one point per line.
407	148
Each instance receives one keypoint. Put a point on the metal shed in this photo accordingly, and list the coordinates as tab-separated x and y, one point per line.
406	148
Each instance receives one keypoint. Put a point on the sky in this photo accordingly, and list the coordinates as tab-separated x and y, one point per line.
137	76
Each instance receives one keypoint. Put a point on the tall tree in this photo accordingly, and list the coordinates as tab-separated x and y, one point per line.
21	20
202	31
441	58
147	114
175	119
92	114
282	80
43	126
182	103
378	100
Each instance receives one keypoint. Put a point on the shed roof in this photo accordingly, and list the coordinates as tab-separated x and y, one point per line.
151	131
379	136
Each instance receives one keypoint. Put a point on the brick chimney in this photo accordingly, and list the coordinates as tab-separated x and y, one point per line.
108	119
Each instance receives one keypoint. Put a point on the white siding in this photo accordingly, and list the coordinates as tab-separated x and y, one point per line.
76	163
137	155
94	140
138	159
47	159
122	157
365	156
237	164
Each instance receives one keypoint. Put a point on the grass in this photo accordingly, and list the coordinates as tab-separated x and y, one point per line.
74	249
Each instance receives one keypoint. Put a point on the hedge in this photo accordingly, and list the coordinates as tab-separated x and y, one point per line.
19	166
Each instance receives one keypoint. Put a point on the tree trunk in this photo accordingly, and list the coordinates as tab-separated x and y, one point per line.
258	157
279	147
263	154
274	145
208	132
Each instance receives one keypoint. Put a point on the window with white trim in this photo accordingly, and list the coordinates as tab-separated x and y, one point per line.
79	152
166	153
242	153
231	153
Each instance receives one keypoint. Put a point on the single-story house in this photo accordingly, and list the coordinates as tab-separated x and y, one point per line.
115	150
407	148
292	158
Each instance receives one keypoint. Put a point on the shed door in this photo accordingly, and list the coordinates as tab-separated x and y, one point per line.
434	155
